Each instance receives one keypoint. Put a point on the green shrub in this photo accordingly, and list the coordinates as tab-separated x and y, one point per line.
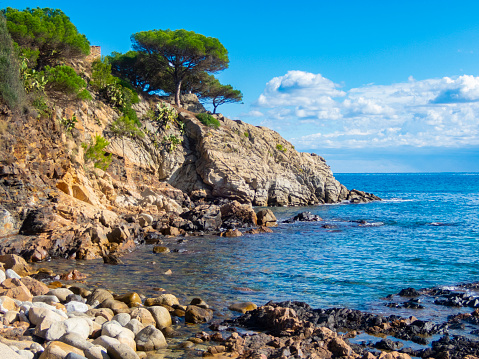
101	75
64	79
11	87
280	147
69	123
208	120
95	151
171	142
125	126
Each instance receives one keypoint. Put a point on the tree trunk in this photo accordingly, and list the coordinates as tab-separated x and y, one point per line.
177	94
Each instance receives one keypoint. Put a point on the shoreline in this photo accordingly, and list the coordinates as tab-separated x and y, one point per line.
294	326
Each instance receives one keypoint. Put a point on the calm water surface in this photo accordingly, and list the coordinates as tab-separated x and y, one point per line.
425	233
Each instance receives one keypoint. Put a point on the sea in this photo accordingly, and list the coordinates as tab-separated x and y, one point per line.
423	234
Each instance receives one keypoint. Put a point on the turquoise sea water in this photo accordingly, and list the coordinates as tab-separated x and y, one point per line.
425	233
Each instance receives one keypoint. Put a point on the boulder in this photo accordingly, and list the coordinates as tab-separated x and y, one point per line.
143	315
98	296
16	263
150	338
203	218
242	307
122	351
195	314
131	299
164	299
59	350
34	286
7	304
80	326
161	315
266	218
237	215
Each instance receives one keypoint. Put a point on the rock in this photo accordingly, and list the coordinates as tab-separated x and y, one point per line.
118	234
59	350
164	299
143	315
61	293
74	356
170	231
161	315
409	292
3	276
304	217
8	353
98	296
11	316
106	342
76	307
122	318
135	326
195	314
76	340
122	351
150	338
242	307
266	218
73	275
236	215
115	305
80	326
34	286
112	259
113	329
10	274
203	218
48	299
232	233
7	222
38	220
131	299
161	249
199	303
145	220
15	289
96	352
7	304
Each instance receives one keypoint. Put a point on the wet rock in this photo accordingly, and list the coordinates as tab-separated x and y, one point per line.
111	258
164	299
242	307
195	314
150	338
38	220
73	275
409	292
202	218
266	218
131	299
388	344
237	215
232	233
161	315
304	217
98	296
160	249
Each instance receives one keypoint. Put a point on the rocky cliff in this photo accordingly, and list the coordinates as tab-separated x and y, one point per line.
54	201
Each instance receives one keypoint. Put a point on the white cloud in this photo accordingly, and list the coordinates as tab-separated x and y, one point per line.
315	113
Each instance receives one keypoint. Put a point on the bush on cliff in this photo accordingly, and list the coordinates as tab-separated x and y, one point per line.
11	87
208	120
45	35
64	79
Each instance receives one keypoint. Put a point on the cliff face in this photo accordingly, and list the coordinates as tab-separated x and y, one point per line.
62	205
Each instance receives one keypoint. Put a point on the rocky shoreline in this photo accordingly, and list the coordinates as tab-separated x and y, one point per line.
45	315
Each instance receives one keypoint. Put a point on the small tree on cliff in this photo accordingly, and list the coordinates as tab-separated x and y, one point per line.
212	90
182	53
47	35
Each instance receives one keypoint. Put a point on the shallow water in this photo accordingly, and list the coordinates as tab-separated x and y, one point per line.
425	233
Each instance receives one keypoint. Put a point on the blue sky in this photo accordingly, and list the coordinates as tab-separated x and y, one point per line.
373	86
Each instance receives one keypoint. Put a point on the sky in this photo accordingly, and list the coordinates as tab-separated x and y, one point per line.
372	86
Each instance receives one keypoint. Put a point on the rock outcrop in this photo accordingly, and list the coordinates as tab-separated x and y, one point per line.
180	176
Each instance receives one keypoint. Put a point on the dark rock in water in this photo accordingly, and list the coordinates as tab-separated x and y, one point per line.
388	344
195	314
413	304
456	347
409	292
237	215
112	259
304	217
266	218
202	218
